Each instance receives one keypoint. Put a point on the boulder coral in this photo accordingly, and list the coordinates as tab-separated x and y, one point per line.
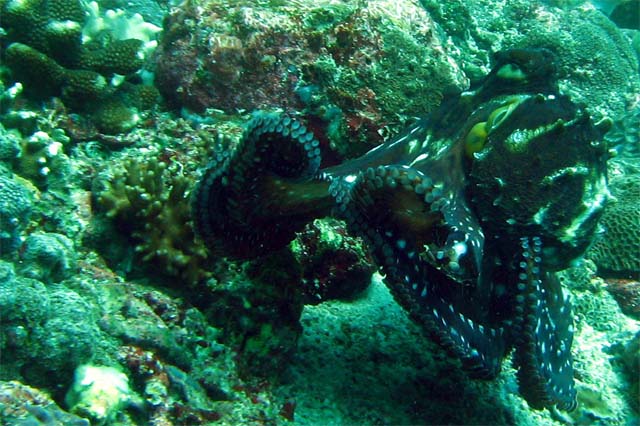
617	250
45	332
360	67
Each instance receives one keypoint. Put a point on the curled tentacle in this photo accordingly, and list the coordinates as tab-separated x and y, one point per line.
254	200
544	328
399	212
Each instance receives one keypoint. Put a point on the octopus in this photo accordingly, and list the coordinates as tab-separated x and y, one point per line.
469	213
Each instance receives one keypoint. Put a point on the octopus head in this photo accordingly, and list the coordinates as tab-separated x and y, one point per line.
539	170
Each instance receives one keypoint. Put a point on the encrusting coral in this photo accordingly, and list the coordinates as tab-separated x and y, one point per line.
47	257
16	203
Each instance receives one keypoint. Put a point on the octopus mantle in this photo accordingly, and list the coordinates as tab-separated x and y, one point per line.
468	213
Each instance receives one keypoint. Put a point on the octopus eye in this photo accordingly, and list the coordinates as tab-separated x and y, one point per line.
497	117
476	139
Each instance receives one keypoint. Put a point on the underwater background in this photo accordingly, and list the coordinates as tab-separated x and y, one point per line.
126	299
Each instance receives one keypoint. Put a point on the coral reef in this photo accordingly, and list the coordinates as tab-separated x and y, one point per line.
16	202
99	265
598	66
74	54
361	67
334	264
617	250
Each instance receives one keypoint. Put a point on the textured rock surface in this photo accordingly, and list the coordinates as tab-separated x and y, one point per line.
598	65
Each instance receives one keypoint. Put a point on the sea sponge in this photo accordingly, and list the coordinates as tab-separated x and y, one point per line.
99	393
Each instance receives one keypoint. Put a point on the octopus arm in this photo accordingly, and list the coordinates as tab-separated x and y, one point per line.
544	329
397	211
253	200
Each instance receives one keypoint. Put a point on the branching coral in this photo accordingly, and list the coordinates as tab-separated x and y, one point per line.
147	198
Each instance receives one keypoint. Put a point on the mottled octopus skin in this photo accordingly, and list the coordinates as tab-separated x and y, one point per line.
468	213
